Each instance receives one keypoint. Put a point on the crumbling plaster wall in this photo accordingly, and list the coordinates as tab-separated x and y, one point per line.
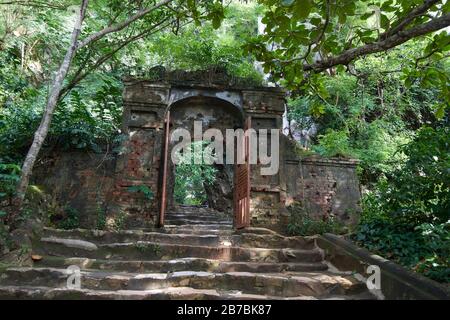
325	186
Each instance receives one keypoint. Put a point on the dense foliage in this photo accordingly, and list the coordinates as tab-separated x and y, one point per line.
407	215
371	113
307	40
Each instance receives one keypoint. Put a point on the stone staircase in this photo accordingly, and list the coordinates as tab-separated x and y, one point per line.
197	255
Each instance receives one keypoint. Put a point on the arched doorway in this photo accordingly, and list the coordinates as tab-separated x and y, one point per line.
212	113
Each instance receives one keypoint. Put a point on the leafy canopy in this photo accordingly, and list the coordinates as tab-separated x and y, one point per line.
307	40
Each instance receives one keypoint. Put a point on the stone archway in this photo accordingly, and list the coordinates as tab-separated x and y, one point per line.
212	112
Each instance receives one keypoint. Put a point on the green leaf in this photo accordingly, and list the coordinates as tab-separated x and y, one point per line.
440	111
216	22
385	23
302	9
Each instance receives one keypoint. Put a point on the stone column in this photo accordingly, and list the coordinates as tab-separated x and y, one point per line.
140	156
268	192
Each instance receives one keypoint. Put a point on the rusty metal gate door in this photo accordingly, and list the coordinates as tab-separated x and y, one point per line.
241	196
163	203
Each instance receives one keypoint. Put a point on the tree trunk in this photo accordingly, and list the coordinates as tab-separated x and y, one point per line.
41	132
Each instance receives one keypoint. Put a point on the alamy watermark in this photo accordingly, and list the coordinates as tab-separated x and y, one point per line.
74	278
240	147
373	282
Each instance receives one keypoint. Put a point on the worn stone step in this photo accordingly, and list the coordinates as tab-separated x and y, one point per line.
102	237
298	284
200	214
183	264
197	230
273	241
212	229
179	293
204	217
243	239
193	210
143	250
178	222
199	226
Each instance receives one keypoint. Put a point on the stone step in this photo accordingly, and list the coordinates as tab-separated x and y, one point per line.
190	230
273	241
194	210
180	293
103	237
207	229
205	217
183	264
178	222
243	239
199	226
298	284
144	250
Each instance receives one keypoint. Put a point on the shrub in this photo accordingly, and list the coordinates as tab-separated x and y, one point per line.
71	220
302	224
334	144
406	218
419	190
101	218
9	175
424	248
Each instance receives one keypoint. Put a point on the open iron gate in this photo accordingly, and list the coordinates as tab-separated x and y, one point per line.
241	196
163	203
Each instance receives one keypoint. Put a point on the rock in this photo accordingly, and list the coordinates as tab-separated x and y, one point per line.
20	238
20	257
72	243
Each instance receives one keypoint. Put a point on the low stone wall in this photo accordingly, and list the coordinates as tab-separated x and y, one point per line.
330	186
325	186
396	282
79	180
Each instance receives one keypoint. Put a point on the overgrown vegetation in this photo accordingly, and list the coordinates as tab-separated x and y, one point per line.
407	215
101	218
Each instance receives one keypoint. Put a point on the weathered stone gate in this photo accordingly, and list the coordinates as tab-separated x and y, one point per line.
146	104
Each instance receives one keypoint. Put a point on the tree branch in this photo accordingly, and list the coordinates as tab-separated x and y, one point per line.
140	14
392	41
414	13
80	76
37	4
